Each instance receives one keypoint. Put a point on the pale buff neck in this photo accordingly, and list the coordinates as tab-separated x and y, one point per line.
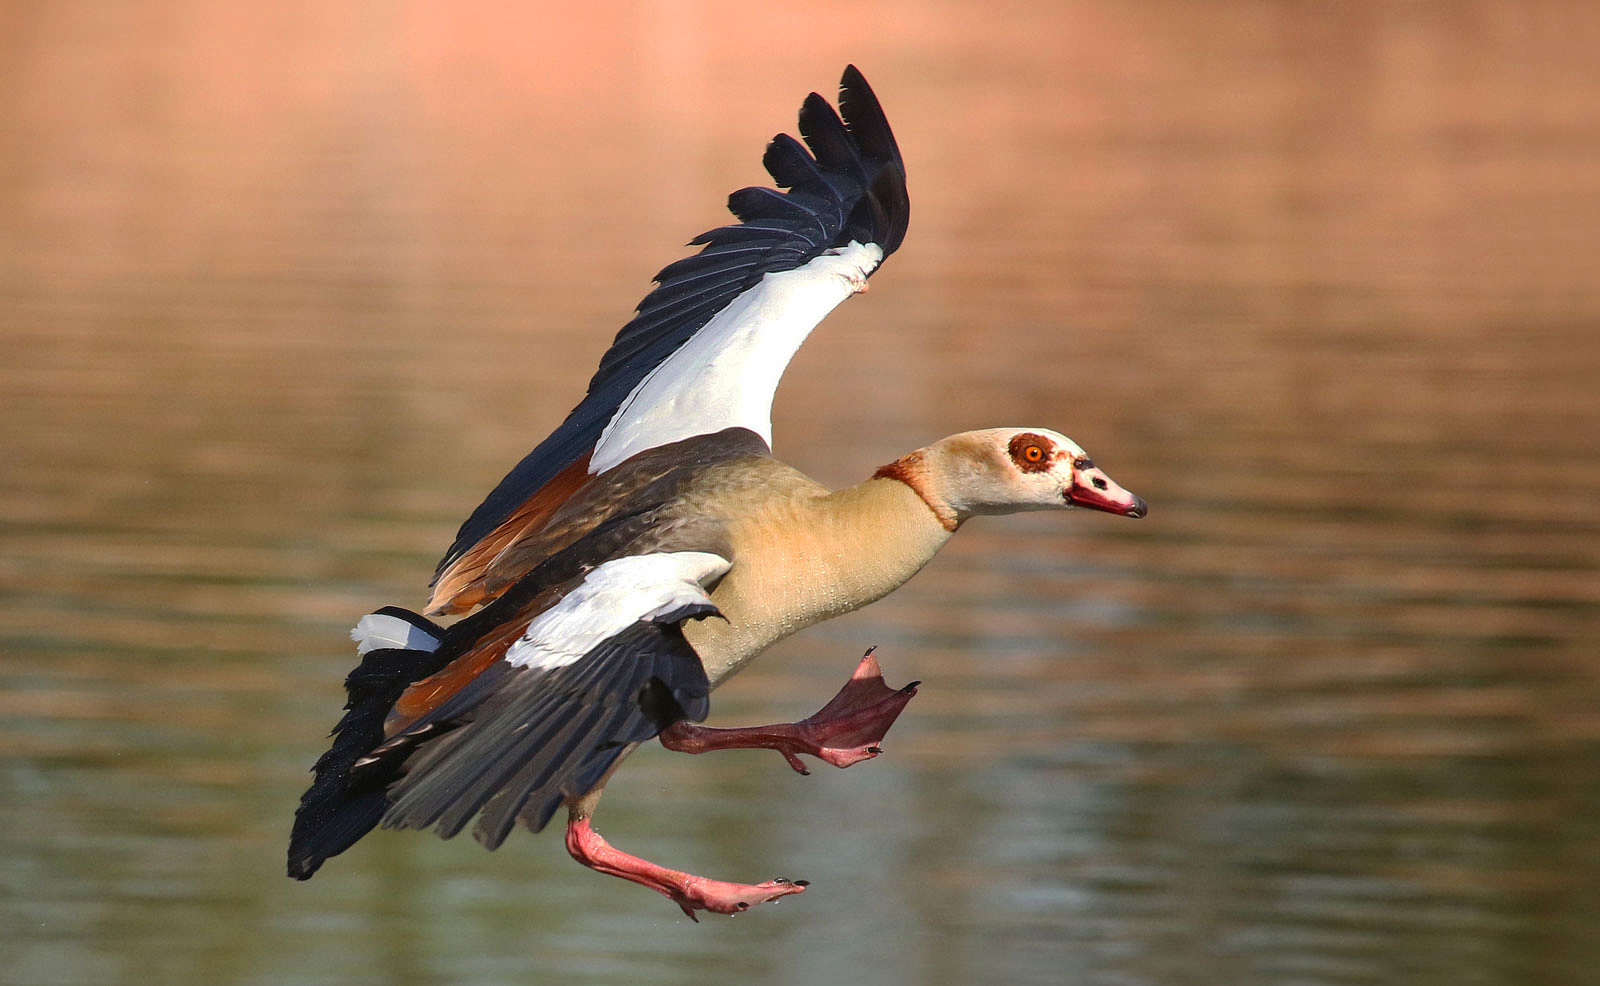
884	532
807	556
914	472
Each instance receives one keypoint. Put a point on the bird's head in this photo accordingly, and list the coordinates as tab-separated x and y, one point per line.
1008	470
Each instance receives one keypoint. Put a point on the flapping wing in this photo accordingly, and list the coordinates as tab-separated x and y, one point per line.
605	667
707	347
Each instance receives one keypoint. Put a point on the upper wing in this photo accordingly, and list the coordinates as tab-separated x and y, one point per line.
604	667
707	347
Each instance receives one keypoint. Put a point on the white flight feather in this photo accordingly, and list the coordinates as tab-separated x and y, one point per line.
613	597
725	376
376	631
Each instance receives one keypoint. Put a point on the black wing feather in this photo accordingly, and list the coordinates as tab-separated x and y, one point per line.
710	282
829	140
853	188
763	234
714	261
780	207
334	813
862	111
792	166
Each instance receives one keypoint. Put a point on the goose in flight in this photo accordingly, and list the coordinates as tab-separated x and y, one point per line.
652	545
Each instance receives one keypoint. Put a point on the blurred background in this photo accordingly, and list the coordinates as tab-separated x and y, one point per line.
285	288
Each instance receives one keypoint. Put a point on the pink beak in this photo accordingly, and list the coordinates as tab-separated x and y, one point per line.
1094	489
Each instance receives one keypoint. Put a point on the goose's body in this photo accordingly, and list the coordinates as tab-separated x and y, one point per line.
801	555
653	546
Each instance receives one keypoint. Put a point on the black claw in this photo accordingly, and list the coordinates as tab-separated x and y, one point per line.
802	883
743	906
911	687
874	749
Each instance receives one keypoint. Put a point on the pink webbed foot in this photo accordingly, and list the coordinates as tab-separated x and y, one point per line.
691	893
845	731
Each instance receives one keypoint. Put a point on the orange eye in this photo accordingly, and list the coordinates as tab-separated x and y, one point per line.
1031	452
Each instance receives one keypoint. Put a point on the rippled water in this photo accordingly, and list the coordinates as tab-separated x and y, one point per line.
284	291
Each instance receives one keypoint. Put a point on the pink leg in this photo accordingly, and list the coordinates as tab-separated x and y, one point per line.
845	731
690	892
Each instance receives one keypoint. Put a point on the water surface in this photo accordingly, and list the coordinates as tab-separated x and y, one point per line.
284	291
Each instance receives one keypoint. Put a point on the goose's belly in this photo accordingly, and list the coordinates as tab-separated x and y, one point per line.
790	572
763	607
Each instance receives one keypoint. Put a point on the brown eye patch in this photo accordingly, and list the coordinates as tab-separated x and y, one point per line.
1031	453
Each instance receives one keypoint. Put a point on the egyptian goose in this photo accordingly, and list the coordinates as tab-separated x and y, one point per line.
652	546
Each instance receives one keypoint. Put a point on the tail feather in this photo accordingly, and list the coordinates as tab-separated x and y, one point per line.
347	795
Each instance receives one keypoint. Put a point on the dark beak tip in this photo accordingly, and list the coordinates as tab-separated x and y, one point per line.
1139	509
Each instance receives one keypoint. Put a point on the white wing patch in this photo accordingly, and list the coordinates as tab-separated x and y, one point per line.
727	373
376	631
613	597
